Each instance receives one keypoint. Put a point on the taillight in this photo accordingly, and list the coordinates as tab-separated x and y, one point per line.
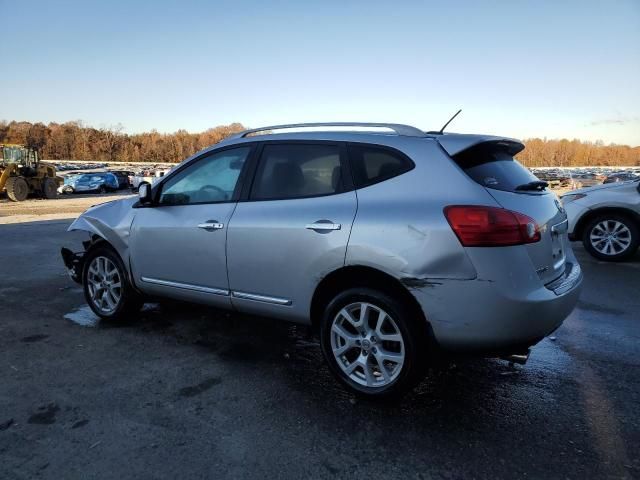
481	226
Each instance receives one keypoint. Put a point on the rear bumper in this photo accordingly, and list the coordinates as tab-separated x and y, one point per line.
501	314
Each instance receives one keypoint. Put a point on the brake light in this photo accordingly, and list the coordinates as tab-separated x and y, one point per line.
483	226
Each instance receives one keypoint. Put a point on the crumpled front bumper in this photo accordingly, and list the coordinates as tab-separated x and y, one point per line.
74	263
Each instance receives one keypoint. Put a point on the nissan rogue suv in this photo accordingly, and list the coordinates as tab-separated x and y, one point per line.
395	243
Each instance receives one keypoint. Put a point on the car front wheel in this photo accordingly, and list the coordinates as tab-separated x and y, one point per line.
106	286
372	343
611	237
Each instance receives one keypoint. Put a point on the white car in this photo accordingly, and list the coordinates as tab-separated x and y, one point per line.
151	178
606	218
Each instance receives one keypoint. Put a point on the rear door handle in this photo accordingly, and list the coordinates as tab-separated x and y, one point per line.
323	226
211	225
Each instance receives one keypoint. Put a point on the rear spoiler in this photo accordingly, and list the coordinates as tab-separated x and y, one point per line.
455	143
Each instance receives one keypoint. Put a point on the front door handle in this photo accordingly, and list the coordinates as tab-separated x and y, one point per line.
211	225
323	226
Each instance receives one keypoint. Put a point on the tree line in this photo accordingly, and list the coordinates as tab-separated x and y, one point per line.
76	141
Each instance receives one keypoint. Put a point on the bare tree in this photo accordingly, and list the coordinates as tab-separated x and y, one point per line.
37	137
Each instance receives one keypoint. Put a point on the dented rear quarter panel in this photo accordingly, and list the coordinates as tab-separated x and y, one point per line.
400	226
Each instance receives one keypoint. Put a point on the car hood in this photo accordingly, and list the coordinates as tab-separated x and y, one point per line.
110	221
603	186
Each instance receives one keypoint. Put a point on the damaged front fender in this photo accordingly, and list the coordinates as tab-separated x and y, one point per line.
109	221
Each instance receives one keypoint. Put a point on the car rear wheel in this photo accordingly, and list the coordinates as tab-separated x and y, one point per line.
107	289
611	237
372	343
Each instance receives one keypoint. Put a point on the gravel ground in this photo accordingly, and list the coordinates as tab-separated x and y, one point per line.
190	392
65	206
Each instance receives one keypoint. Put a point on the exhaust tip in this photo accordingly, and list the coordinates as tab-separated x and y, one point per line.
519	358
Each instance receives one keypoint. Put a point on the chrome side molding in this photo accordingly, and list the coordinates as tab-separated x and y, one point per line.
261	298
186	286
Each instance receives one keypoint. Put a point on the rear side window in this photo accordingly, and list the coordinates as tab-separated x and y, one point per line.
372	164
492	166
297	171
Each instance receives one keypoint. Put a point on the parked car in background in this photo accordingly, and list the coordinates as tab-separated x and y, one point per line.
335	229
555	178
123	178
582	180
149	176
606	218
621	177
67	180
100	182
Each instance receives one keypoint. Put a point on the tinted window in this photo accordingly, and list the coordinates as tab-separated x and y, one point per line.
294	171
211	179
493	167
374	164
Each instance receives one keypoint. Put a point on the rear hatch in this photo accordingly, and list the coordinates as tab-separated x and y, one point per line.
489	162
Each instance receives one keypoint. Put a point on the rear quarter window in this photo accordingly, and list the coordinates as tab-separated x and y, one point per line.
492	166
372	164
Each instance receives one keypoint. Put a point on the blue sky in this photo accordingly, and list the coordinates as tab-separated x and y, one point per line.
556	69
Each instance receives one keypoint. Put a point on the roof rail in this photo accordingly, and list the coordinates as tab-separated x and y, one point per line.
399	129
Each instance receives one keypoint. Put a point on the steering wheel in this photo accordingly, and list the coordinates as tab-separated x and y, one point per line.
215	188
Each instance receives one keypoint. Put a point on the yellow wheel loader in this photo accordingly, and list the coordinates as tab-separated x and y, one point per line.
21	174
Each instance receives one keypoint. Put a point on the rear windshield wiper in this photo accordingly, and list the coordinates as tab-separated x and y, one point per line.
538	185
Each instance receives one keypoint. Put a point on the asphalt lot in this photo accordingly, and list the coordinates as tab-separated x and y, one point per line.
190	392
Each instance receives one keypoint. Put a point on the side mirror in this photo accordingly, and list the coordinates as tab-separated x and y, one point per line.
144	193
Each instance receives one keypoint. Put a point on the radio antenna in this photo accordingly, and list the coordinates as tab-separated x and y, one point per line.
450	120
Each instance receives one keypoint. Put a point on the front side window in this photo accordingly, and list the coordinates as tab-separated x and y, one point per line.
211	179
297	171
373	164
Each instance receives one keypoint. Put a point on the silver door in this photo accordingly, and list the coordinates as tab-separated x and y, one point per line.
292	231
178	244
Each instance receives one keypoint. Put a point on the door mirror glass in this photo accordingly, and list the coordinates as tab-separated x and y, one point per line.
144	193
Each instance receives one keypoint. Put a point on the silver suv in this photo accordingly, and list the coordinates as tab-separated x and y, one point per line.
606	218
397	244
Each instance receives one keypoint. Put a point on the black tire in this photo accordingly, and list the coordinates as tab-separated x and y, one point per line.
130	301
17	189
102	190
49	188
633	237
414	335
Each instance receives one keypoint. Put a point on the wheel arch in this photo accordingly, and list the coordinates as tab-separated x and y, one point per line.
98	241
362	276
578	231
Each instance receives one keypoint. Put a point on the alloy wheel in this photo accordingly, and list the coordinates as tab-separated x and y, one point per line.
367	344
104	284
610	237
